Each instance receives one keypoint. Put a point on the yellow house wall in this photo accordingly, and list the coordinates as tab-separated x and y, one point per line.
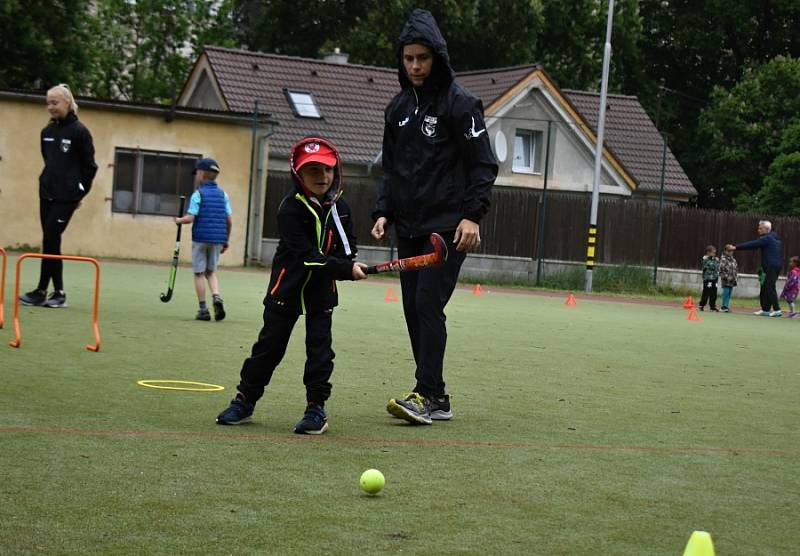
94	229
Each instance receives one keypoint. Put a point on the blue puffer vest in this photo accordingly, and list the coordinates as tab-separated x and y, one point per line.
211	223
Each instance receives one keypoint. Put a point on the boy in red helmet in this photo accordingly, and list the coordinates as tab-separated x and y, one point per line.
316	248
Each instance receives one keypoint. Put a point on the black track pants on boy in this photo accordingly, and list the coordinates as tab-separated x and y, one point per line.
269	349
425	294
54	217
709	294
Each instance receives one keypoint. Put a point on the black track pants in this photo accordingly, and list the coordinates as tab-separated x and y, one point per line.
269	349
425	294
709	294
768	294
54	217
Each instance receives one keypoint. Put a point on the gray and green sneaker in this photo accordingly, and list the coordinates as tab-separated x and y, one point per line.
414	408
440	408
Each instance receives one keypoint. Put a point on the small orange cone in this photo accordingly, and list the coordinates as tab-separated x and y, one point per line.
571	301
689	303
693	315
477	290
391	296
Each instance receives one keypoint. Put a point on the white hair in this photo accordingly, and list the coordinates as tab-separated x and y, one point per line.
63	90
767	224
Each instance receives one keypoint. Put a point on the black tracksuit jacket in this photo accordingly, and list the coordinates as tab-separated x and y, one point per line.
69	166
310	256
437	160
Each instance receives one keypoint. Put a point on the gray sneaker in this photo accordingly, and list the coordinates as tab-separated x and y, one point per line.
56	300
202	314
777	313
761	313
414	408
35	297
440	408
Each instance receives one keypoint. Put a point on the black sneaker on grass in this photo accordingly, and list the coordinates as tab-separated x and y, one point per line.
56	300
238	412
314	421
440	408
414	408
34	297
202	314
219	308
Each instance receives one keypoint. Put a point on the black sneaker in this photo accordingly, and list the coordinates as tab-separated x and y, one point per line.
202	314
714	310
219	308
34	297
240	411
414	408
56	300
314	421
440	408
702	308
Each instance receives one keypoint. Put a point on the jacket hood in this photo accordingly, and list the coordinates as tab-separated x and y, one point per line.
421	28
336	188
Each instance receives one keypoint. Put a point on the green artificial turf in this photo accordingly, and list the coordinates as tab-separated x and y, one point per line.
607	428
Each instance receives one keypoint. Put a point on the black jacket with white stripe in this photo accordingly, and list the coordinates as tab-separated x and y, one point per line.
69	166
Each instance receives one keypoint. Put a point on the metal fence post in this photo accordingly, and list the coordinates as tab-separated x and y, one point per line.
543	207
660	211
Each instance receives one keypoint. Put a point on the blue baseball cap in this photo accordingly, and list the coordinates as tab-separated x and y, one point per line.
208	164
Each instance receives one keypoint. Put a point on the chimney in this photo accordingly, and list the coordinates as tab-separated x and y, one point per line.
337	56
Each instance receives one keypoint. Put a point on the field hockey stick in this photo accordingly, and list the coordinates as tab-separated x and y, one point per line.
173	271
419	262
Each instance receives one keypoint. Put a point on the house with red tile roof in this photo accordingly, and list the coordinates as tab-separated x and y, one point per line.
529	118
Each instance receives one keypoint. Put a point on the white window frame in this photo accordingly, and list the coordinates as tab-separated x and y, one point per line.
535	138
303	104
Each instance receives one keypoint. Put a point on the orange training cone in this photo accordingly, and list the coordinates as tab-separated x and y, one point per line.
571	301
477	290
693	315
689	303
391	296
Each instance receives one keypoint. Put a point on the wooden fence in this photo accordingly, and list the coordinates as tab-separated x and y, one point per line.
626	228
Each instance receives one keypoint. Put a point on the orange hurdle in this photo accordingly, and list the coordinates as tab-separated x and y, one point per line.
18	341
3	284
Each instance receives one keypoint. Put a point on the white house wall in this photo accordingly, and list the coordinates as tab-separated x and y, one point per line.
571	152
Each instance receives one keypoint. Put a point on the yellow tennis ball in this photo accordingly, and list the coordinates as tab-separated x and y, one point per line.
372	481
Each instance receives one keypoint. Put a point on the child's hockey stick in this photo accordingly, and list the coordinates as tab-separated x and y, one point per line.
430	260
173	271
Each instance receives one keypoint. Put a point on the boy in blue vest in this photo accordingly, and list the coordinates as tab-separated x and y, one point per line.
316	248
210	215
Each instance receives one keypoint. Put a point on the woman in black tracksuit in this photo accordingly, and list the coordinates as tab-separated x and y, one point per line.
69	169
316	248
438	173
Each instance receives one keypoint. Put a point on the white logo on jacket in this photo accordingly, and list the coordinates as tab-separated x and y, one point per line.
65	145
471	133
402	123
429	126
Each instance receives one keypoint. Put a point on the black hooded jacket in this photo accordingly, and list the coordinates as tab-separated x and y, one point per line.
437	161
69	166
311	254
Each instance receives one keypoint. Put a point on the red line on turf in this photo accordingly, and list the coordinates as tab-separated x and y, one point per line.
232	435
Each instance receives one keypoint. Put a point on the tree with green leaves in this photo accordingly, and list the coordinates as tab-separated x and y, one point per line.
781	191
744	131
44	43
143	50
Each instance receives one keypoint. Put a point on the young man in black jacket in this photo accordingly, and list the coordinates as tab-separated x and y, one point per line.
316	248
438	173
69	169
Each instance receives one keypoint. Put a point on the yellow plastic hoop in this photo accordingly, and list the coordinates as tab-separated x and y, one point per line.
157	384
